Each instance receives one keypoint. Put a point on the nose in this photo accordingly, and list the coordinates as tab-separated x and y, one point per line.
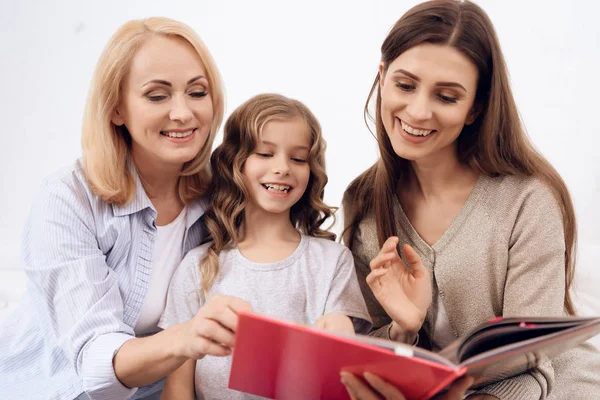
180	110
281	166
419	108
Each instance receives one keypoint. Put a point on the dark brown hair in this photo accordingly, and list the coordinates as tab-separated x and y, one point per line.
495	144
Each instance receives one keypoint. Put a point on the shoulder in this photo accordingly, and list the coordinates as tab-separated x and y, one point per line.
196	254
516	192
188	271
325	249
67	190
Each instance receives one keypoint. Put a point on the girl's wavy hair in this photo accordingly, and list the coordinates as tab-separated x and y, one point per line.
496	144
228	194
106	147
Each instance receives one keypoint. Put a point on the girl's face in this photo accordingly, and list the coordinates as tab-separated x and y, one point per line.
165	103
427	96
277	173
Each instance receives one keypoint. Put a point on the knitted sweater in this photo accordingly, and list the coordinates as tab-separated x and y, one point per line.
502	255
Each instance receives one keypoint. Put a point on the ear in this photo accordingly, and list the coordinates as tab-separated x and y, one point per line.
381	74
473	114
116	118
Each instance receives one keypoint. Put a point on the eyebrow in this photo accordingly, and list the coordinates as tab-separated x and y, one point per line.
295	147
167	83
416	78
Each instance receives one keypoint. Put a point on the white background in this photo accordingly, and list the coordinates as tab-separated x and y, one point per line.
324	53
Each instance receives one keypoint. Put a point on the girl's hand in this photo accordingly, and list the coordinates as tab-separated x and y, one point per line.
377	388
212	330
404	294
339	323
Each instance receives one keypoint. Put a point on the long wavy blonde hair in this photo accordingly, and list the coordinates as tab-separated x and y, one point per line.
106	146
228	194
495	144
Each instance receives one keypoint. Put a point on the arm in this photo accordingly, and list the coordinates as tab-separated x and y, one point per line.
81	293
535	283
336	323
64	262
344	297
180	384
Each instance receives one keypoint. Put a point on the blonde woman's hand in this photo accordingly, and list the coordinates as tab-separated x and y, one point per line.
212	330
404	294
334	322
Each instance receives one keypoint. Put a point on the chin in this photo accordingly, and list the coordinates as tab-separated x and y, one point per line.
405	152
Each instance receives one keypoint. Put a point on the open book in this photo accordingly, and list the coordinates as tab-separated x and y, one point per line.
278	359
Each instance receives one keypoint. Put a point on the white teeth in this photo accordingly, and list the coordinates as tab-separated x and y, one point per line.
177	134
414	131
277	188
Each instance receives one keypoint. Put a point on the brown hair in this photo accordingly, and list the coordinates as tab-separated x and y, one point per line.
495	144
228	194
105	145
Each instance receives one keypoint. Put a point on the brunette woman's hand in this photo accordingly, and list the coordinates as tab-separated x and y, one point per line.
212	330
405	294
375	388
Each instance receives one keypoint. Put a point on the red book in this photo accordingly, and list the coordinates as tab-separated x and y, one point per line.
278	359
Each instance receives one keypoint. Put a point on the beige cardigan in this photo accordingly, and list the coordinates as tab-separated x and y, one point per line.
503	255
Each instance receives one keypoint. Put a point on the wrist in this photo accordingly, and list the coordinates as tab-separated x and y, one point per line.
174	345
397	334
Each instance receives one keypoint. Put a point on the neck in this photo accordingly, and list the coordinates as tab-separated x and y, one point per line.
262	227
435	176
160	180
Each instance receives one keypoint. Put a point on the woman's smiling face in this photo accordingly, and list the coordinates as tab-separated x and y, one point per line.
427	96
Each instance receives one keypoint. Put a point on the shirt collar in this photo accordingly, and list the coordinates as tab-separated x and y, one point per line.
141	200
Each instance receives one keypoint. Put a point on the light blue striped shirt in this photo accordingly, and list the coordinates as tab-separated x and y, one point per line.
88	265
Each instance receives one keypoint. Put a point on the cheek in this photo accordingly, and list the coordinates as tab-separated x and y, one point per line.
144	117
453	119
204	111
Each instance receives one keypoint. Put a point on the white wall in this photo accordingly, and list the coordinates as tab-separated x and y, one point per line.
325	53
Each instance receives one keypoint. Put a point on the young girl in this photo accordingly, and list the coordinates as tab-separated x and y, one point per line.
268	248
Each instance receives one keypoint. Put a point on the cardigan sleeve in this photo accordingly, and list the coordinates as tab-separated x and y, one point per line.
535	282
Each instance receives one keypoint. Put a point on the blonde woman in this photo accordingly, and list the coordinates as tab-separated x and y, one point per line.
269	252
104	237
460	187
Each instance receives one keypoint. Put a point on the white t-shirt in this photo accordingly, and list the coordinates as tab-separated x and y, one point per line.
317	278
166	256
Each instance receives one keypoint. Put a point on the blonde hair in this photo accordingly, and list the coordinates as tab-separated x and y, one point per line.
105	148
495	144
228	194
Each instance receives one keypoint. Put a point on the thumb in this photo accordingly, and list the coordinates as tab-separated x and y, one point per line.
458	388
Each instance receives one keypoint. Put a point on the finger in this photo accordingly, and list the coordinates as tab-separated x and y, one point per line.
224	310
390	244
382	259
388	390
357	388
214	331
208	347
236	304
458	388
388	249
413	259
375	275
220	314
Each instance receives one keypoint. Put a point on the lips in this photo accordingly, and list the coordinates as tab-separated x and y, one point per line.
418	132
178	134
278	188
